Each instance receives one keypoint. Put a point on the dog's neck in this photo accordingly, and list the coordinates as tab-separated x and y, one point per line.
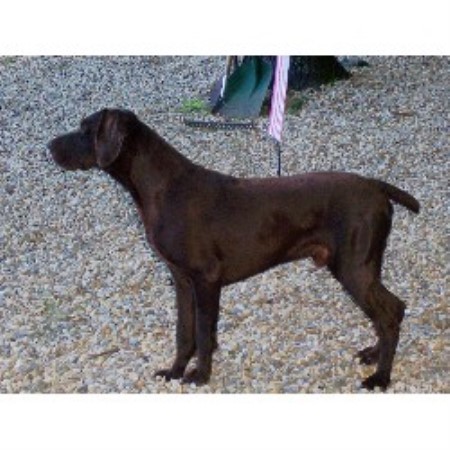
148	164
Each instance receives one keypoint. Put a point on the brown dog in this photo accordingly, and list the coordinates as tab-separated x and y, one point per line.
213	230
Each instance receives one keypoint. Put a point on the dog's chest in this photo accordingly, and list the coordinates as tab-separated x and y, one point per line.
152	224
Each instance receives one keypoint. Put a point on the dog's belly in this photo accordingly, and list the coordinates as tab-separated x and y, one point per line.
261	238
246	262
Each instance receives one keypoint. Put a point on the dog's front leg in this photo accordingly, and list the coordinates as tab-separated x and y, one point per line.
207	296
185	336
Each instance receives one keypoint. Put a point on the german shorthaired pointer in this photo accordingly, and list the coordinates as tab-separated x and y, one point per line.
213	230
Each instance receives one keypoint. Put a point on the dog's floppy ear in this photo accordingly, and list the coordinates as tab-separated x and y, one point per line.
111	132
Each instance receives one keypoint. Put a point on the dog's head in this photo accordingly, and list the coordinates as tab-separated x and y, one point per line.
97	143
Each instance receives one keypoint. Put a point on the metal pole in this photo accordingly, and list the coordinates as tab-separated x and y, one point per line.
278	149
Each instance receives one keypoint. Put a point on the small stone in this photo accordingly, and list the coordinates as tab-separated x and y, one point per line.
10	188
83	389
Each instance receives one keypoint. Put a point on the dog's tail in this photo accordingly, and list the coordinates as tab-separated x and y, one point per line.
399	196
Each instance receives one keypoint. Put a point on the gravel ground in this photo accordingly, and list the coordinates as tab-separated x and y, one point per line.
85	306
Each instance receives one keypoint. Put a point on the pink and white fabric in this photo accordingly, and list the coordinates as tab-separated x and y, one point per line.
278	97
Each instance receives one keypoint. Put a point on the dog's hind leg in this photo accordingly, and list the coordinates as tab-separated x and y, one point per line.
390	311
385	311
369	355
357	265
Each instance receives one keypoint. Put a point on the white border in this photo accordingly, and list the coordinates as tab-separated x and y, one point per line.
136	27
216	422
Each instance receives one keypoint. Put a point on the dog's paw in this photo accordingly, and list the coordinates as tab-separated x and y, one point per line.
377	379
369	355
197	377
168	374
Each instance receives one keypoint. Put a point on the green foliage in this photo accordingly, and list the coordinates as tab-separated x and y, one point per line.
295	102
194	105
6	60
